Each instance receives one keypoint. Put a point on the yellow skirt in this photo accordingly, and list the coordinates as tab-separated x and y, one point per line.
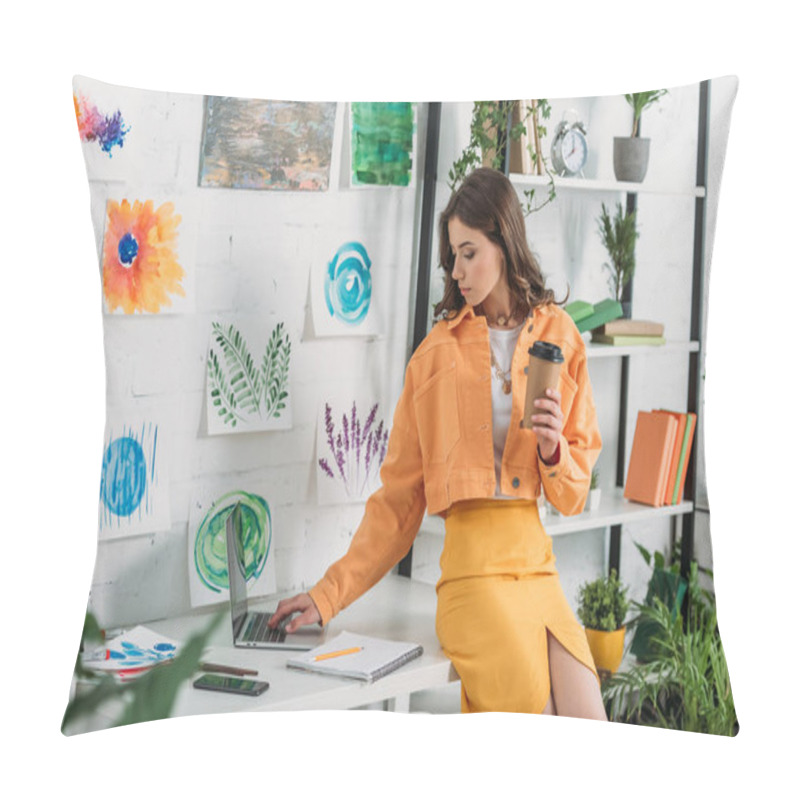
498	596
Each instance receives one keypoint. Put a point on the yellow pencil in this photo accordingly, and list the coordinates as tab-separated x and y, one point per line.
337	653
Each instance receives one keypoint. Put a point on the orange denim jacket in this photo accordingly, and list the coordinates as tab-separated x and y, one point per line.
440	447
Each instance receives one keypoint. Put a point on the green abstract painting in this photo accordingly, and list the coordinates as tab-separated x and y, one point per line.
382	144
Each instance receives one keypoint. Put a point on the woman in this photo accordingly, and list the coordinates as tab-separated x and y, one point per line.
457	446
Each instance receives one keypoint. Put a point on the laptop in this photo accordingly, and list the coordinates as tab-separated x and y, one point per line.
250	628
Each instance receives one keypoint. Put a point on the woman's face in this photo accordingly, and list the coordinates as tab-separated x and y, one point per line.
479	266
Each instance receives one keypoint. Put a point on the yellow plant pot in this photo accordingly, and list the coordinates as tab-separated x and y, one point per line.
607	648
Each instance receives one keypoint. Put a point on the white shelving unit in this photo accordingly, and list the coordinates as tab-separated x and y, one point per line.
614	510
603	185
594	350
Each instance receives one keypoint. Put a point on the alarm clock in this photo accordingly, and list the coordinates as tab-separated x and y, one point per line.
569	149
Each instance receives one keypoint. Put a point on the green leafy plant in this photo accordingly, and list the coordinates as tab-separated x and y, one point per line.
639	101
240	388
490	134
603	603
686	686
595	479
619	238
666	585
151	696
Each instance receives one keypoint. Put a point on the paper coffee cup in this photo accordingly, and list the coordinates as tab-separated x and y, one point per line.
544	367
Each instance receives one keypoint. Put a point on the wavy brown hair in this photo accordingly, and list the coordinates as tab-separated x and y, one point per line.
486	201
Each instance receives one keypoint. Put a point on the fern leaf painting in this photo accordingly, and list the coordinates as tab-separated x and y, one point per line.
245	393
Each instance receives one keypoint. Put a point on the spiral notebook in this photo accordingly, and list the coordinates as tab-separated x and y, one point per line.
351	655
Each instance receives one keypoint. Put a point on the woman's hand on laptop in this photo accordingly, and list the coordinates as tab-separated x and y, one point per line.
300	602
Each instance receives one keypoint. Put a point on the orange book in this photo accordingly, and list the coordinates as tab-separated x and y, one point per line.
648	469
691	424
675	460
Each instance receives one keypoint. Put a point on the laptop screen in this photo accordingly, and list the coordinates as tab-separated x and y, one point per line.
236	574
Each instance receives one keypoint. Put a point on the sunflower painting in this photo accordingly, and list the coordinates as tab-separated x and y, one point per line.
140	266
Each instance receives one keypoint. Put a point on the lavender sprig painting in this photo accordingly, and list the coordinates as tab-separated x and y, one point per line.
355	449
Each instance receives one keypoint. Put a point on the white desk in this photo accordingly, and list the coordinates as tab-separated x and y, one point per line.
395	608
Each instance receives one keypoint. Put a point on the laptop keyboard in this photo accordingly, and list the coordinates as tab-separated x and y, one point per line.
257	629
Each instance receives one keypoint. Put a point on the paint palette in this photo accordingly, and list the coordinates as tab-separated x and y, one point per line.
135	649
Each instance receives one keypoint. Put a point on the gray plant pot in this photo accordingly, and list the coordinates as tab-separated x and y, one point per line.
630	158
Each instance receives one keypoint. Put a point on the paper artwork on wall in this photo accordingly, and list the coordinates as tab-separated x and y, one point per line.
147	254
134	482
267	144
382	144
208	565
351	445
342	292
137	136
106	129
246	393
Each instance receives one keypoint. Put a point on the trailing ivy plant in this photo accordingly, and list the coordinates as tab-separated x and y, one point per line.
490	134
240	388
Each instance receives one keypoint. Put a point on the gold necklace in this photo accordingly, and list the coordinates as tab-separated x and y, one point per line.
501	320
506	381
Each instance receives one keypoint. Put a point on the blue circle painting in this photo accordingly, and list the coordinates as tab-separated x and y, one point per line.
348	284
124	476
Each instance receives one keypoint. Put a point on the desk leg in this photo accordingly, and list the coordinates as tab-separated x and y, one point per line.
401	703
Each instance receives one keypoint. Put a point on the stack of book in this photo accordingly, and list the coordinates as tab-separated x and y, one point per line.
662	444
604	320
628	332
587	317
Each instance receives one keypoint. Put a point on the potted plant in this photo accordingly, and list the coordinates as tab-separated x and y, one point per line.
602	606
491	132
686	686
593	500
632	153
666	586
619	238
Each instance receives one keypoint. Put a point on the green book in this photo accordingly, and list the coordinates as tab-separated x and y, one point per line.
620	339
604	311
681	475
579	310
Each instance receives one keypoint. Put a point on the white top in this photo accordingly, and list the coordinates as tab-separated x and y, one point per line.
503	344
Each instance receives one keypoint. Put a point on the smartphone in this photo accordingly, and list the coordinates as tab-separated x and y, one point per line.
220	683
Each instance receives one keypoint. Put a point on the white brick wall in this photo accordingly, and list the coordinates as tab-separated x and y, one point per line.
253	255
